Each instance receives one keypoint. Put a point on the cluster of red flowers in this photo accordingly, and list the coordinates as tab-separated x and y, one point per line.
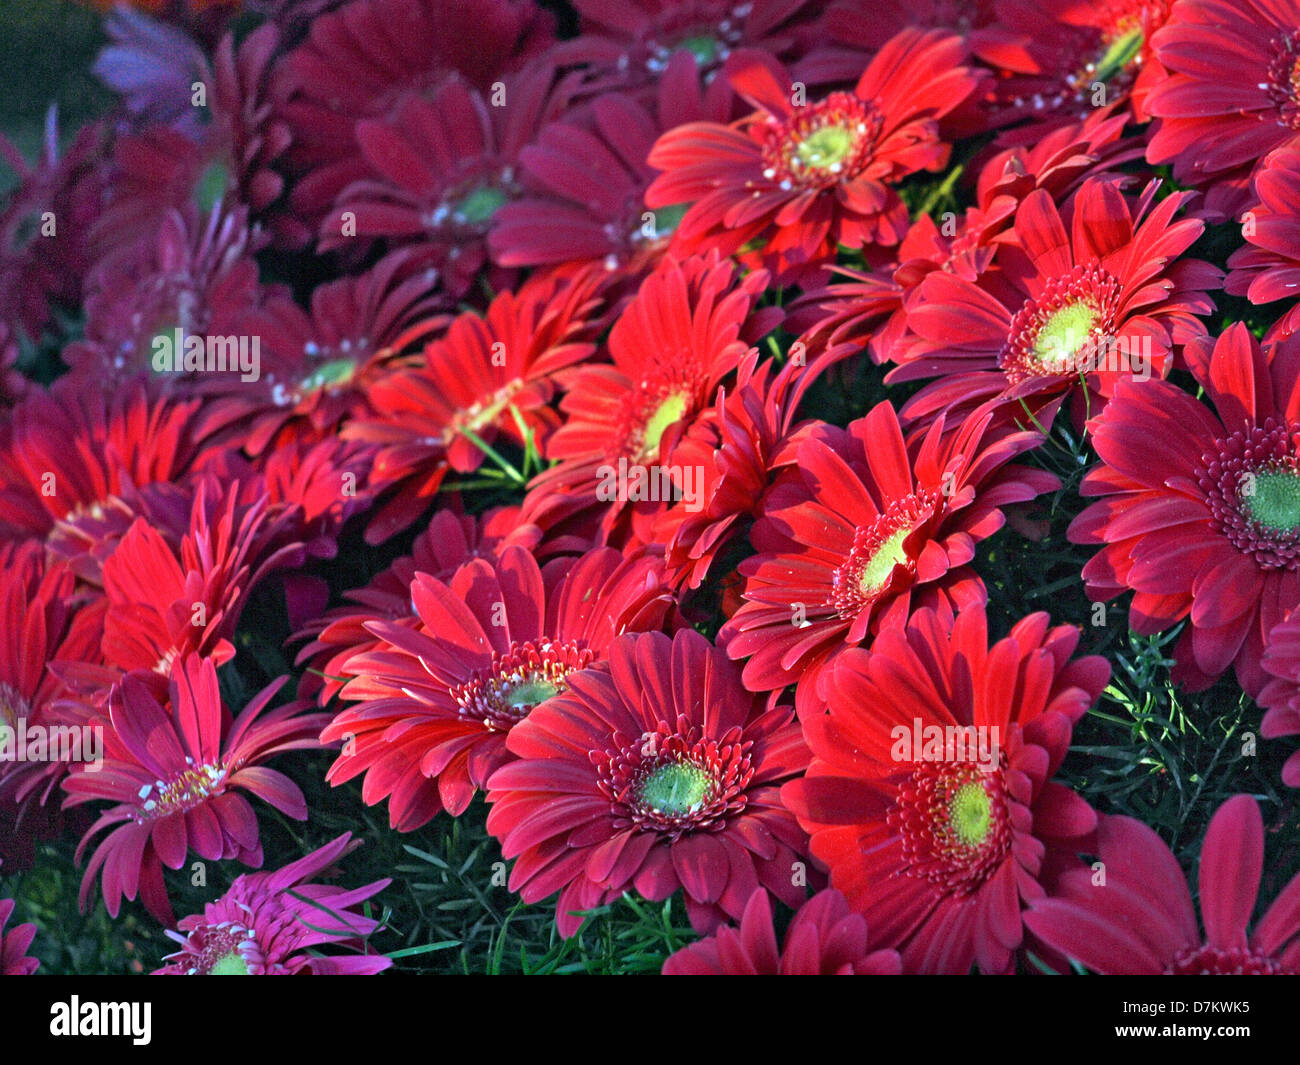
546	314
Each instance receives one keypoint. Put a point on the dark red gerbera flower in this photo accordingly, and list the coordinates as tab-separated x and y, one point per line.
688	327
1281	695
229	159
173	278
44	223
450	541
929	797
584	178
1267	268
438	700
39	612
852	31
68	451
845	316
1142	921
1233	94
359	60
316	366
271	924
861	529
1200	515
655	770
1099	296
753	425
475	381
825	938
1056	61
175	775
14	944
801	178
168	601
440	166
631	45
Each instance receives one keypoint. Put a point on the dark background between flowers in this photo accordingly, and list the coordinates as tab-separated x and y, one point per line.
1146	750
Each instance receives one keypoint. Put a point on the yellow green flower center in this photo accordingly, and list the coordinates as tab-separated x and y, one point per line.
676	788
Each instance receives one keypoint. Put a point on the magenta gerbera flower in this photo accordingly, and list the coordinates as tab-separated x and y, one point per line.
437	700
584	179
1281	694
14	944
1199	514
631	43
440	166
929	797
318	364
228	159
355	65
1267	268
861	529
825	938
175	773
171	281
273	924
654	771
1142	921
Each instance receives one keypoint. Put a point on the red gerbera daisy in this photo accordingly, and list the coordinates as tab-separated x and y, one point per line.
168	602
1142	921
1268	267
1201	514
1099	295
474	382
1058	60
357	63
438	700
656	770
929	795
15	943
824	939
631	44
175	777
802	178
317	365
1233	94
40	615
860	530
688	327
68	451
585	178
271	924
440	167
449	542
734	459
845	317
